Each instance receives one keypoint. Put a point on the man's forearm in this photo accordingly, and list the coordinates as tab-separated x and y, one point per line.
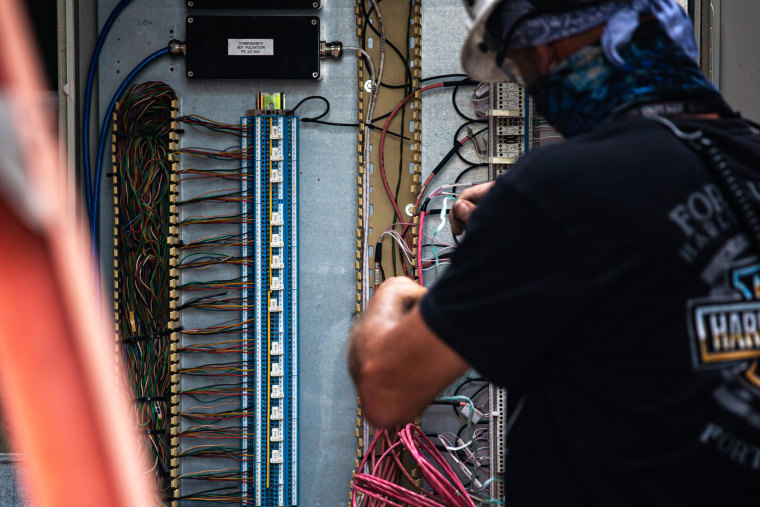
398	364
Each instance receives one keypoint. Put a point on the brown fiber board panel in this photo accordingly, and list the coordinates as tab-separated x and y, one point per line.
401	161
401	156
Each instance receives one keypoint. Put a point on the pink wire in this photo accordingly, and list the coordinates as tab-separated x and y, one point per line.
380	486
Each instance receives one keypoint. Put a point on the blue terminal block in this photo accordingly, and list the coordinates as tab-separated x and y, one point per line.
270	396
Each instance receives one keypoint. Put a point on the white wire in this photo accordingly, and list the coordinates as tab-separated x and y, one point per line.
367	59
365	181
441	252
397	238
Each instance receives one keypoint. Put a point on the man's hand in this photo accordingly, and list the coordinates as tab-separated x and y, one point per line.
393	299
468	200
398	364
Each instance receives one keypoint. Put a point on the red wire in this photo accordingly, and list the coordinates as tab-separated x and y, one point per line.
382	142
383	175
379	486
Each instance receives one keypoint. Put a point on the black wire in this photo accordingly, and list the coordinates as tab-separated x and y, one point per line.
446	84
388	42
442	76
313	97
356	125
465	82
468	169
456	137
464	126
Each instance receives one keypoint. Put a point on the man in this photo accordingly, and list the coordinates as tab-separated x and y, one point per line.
607	282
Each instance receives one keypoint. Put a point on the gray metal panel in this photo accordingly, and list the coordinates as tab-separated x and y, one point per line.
443	33
327	216
738	40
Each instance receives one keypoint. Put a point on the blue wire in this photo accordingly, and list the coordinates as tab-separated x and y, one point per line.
88	191
104	137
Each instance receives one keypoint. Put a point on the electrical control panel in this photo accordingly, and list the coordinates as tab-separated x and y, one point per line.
271	163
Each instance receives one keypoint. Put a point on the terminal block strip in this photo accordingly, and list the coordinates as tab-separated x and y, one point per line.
497	437
510	137
510	126
270	428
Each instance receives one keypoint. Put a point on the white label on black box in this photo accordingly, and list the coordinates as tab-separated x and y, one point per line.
250	47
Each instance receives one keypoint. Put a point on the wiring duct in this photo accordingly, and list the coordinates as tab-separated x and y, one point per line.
366	139
142	178
103	141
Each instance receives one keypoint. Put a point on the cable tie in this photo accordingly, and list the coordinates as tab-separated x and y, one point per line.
136	339
148	399
153	432
139	133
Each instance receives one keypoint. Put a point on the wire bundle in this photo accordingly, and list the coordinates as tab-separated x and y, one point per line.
142	261
384	457
211	441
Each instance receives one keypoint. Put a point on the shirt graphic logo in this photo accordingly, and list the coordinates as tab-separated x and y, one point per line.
727	329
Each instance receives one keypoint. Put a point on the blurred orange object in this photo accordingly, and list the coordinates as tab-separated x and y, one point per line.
66	413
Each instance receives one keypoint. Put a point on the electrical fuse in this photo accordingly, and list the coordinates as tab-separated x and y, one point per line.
275	132
507	87
276	349
276	370
511	130
508	104
511	96
276	435
274	306
276	218
276	154
277	241
276	283
511	148
276	414
277	391
277	263
276	457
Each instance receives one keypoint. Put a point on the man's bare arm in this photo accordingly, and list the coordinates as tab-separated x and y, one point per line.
398	364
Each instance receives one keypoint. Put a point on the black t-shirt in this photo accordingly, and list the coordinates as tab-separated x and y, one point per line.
606	283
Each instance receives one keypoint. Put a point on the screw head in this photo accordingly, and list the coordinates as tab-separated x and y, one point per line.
315	5
190	20
314	22
315	75
190	4
190	73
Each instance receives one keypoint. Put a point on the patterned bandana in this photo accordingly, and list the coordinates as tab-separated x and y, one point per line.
622	20
587	88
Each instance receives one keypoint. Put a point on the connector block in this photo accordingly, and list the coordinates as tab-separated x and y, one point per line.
271	138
